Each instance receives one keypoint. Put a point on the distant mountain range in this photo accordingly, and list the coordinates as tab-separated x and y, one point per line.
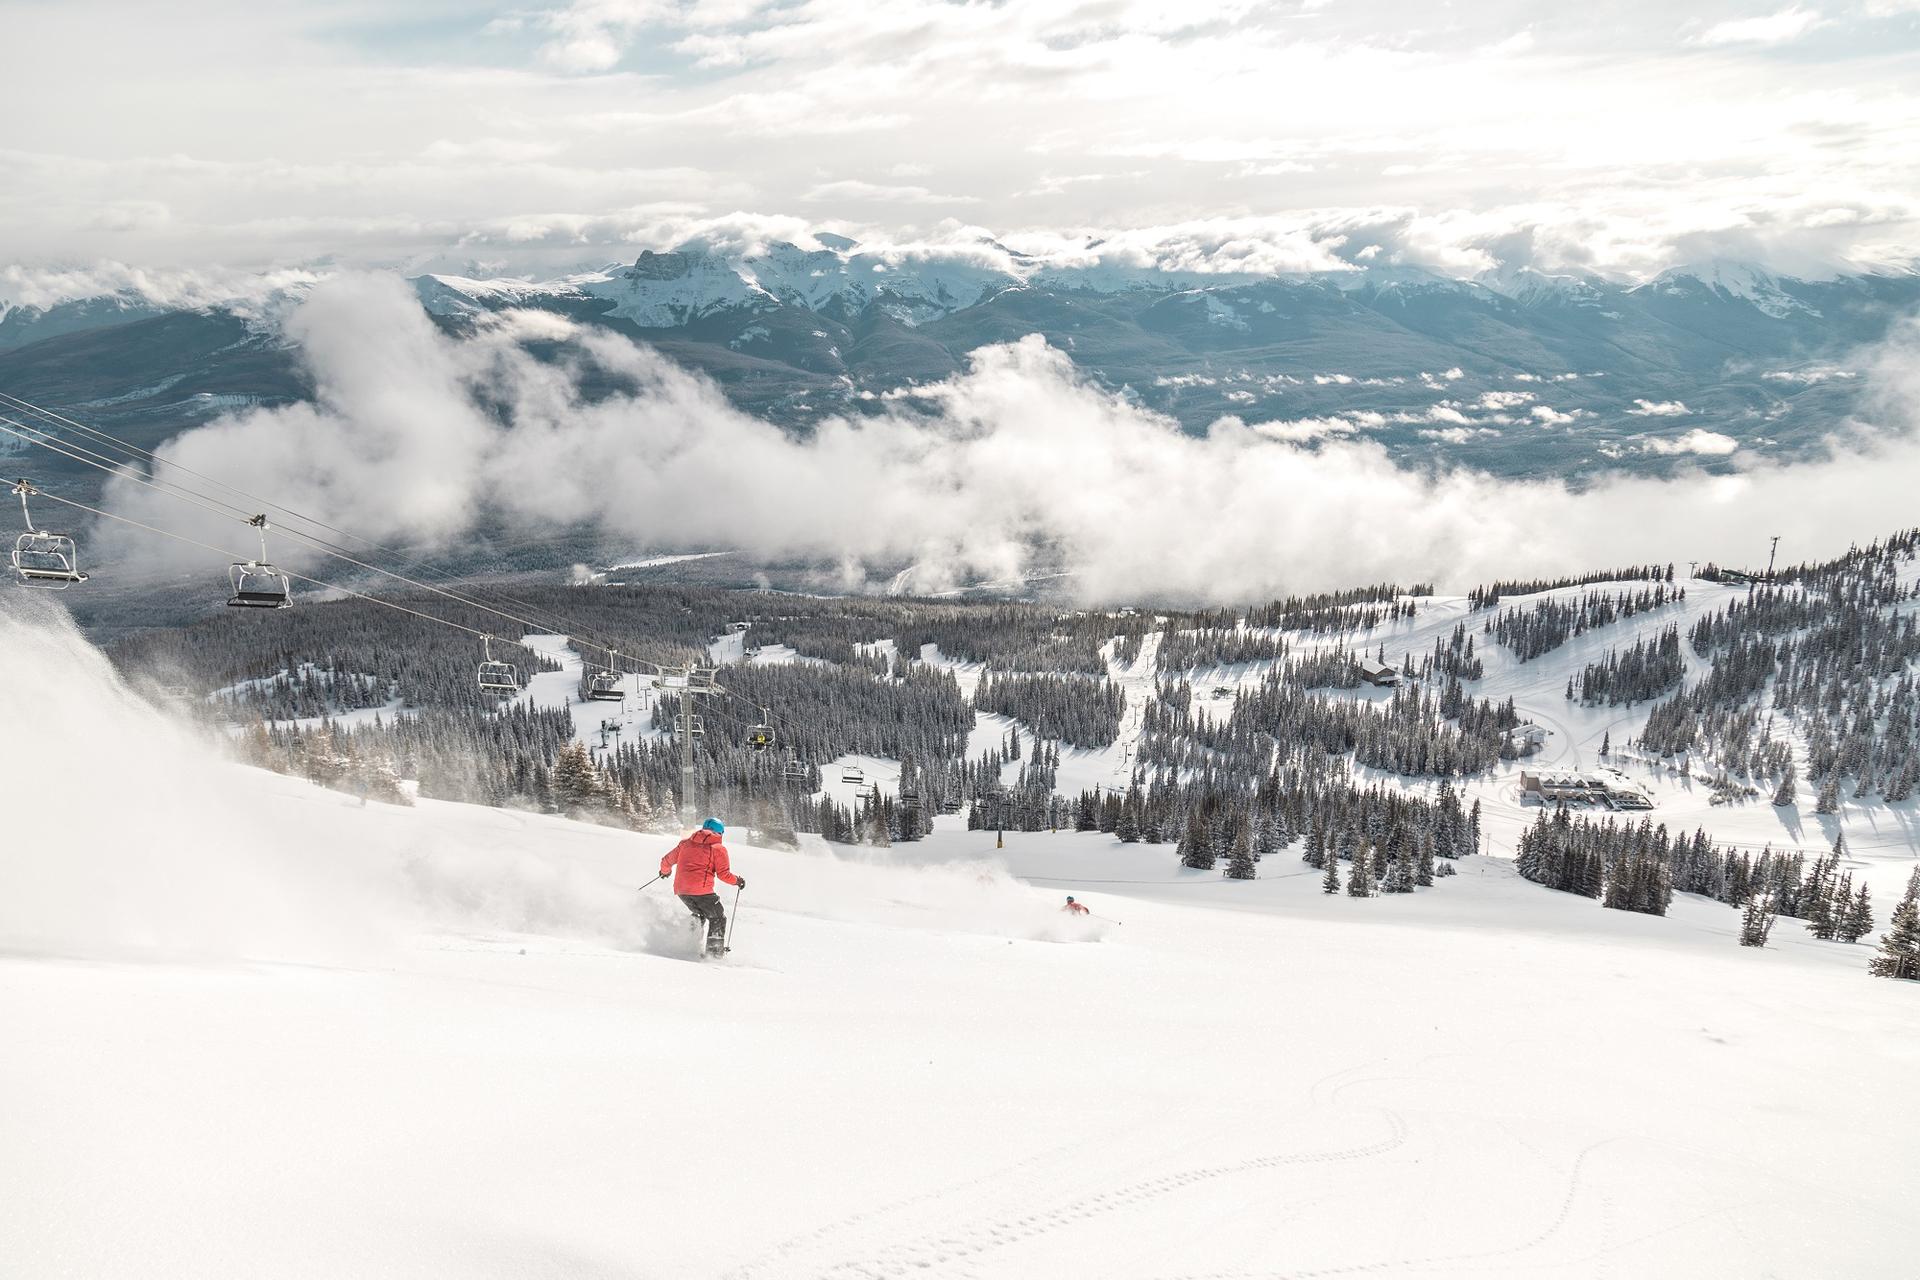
1513	372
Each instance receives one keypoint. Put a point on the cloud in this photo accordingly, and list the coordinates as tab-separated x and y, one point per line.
1659	409
854	190
1709	444
1017	463
1774	28
1632	146
1812	375
241	291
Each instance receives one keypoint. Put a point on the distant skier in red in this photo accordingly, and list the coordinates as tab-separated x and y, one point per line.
701	858
1075	908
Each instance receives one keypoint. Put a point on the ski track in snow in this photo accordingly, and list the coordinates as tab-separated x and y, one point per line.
341	1051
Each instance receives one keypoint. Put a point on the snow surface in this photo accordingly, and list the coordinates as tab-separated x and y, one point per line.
256	1029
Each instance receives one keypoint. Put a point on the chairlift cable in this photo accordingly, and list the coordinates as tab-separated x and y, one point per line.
549	623
117	468
222	551
80	453
66	449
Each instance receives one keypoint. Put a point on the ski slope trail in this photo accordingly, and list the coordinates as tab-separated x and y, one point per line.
254	1028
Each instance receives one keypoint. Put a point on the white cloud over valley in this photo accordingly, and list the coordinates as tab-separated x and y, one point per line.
1016	464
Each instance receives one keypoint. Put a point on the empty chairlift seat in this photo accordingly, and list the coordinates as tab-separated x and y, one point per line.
43	559
258	585
47	560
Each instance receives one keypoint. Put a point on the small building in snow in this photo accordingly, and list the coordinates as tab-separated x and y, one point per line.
1378	673
1528	738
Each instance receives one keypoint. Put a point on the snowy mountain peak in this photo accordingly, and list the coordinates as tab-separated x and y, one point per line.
1531	287
1731	279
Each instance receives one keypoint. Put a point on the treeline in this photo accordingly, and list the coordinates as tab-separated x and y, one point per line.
1547	624
1390	838
325	658
1485	597
1074	709
1645	670
1838	659
1354	608
1640	866
1191	650
1409	734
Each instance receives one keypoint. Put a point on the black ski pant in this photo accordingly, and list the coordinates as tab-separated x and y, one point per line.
706	906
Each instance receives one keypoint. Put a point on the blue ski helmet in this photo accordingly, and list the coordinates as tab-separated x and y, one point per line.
714	825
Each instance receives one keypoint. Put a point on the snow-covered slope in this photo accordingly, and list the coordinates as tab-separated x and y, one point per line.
253	1028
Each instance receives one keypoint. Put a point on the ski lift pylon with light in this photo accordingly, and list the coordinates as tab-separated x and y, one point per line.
496	675
257	584
44	559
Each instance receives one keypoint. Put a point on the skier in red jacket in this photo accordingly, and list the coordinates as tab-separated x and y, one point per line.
1075	908
701	858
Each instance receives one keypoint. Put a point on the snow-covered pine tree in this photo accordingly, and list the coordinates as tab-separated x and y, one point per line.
1330	878
1240	857
577	785
1756	921
1360	878
1829	801
1859	918
1196	847
1266	835
1899	955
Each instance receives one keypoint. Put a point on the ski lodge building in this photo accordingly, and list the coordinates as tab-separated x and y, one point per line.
1568	787
1378	673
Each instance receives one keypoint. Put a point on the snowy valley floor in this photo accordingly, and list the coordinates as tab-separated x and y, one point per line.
252	1029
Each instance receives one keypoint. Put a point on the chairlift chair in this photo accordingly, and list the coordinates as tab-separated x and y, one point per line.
44	559
497	675
853	775
257	584
794	770
760	736
604	686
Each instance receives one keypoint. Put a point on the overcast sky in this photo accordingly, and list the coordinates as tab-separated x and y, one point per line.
1619	136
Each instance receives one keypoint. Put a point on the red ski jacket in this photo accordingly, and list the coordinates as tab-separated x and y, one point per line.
701	857
1077	909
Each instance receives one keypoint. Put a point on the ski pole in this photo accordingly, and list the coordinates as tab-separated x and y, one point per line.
728	941
649	884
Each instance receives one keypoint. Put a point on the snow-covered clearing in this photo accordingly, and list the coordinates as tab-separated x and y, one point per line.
254	1029
596	724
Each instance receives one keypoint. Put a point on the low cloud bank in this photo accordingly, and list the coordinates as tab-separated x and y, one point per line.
1016	465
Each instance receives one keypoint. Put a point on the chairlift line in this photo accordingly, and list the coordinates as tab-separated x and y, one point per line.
258	583
299	577
103	462
100	461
